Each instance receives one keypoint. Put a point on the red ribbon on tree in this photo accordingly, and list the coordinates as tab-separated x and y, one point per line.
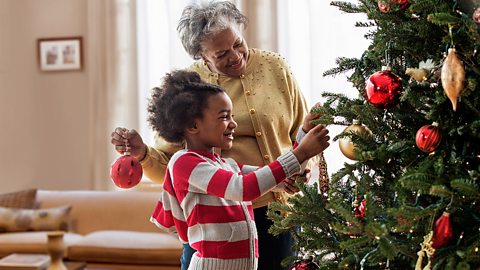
443	231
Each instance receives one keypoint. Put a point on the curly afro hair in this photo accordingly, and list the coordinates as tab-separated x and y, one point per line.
180	100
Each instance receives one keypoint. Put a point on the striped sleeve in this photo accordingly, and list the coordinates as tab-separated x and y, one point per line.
168	214
245	169
207	178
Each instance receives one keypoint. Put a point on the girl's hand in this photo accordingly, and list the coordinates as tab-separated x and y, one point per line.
312	144
289	185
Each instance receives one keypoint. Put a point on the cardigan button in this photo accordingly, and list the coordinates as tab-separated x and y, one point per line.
242	76
266	157
252	111
248	93
259	134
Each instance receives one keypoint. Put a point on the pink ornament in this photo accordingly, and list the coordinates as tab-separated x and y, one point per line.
476	15
384	7
126	172
428	138
383	89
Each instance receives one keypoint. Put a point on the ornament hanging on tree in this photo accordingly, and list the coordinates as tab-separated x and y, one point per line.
453	77
428	138
347	147
425	249
476	15
385	5
305	264
443	231
126	171
420	74
359	210
383	89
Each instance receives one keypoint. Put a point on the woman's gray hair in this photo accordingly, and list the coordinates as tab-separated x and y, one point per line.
200	20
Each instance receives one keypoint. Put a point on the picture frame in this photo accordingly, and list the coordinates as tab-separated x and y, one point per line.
60	54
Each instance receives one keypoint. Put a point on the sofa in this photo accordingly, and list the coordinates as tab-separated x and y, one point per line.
106	229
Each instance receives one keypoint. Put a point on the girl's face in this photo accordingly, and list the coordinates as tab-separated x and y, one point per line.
226	52
216	127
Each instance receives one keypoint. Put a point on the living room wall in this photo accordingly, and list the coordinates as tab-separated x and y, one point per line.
45	116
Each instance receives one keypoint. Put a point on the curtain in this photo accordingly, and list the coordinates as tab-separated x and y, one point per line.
112	71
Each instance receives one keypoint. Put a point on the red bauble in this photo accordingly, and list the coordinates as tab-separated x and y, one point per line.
126	172
443	231
402	3
385	5
384	89
305	264
428	138
359	211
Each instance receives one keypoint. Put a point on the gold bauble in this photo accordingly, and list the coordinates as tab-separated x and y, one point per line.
453	77
346	145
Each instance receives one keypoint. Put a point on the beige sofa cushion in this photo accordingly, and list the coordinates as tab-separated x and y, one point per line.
127	247
49	219
93	211
30	242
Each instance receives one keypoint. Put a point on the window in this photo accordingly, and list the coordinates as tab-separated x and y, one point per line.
311	34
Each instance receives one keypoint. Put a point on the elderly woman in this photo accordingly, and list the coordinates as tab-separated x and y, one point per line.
268	107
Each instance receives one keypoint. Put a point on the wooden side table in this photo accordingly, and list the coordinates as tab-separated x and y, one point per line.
34	261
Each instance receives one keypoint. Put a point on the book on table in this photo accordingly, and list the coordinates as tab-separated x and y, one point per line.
19	261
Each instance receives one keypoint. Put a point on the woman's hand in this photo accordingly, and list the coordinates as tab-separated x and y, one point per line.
306	126
136	146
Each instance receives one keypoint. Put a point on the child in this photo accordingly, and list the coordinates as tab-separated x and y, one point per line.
206	199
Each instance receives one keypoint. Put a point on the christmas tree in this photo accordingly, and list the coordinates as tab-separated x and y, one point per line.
410	199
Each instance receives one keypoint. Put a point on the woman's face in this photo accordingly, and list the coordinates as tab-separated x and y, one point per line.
226	52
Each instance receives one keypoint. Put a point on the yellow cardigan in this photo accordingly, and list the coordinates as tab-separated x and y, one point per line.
268	107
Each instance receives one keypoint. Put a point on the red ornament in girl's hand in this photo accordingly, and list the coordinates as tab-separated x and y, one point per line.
384	89
428	138
126	172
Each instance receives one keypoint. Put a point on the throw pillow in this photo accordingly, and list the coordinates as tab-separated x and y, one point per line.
20	199
48	219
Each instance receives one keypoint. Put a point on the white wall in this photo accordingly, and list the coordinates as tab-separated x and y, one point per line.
44	117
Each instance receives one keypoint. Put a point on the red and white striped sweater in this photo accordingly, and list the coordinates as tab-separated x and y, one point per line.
206	200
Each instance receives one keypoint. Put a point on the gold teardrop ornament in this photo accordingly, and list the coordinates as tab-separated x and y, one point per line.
453	77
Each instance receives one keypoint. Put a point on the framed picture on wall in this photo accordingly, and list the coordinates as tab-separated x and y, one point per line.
60	54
